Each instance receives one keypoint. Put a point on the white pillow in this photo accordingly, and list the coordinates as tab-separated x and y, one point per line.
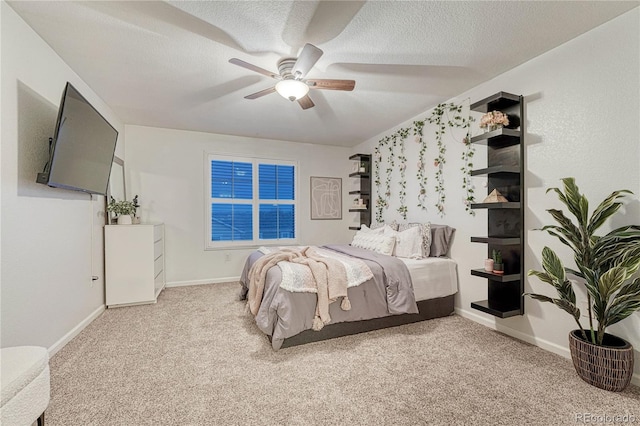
388	231
409	243
382	244
366	229
426	235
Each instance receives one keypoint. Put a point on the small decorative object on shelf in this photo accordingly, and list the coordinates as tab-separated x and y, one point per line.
358	203
498	266
494	120
488	265
495	197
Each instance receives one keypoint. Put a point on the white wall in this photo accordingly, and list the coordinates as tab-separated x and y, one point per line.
51	238
582	120
166	169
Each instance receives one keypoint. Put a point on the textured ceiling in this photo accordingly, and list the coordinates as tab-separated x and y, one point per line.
165	64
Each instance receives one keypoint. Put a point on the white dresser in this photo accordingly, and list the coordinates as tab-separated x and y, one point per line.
134	263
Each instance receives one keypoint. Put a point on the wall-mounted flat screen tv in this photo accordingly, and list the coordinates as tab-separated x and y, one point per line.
82	148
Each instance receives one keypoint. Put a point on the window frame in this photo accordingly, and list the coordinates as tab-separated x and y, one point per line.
254	202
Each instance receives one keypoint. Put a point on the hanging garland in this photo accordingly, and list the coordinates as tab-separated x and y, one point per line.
402	134
382	200
377	157
467	185
391	142
421	175
437	117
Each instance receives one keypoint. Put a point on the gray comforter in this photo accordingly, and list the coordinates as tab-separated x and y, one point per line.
284	314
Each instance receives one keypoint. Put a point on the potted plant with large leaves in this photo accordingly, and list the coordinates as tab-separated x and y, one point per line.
605	266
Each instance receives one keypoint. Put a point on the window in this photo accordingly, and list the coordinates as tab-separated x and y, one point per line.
250	201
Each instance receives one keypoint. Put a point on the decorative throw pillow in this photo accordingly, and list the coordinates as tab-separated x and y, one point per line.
382	244
409	243
365	228
379	231
425	230
393	225
440	240
388	230
386	245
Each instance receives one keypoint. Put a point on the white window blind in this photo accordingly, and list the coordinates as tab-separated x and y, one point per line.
250	201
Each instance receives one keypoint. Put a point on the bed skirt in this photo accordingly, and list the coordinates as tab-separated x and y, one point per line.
428	309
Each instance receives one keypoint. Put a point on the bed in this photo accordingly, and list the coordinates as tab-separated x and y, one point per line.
418	290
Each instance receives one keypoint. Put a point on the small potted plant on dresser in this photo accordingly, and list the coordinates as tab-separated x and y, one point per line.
607	266
124	210
498	266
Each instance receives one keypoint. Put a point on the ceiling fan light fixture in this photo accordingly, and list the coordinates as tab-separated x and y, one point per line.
292	89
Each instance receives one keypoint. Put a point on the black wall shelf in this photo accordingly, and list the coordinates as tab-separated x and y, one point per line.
363	189
359	174
500	101
504	205
498	241
505	220
499	169
496	277
500	311
498	138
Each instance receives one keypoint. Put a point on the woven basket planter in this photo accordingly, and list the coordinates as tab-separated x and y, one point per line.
608	367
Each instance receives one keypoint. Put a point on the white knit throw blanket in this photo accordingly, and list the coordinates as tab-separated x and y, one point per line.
297	277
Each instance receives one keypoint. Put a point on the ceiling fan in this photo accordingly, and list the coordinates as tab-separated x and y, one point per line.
291	71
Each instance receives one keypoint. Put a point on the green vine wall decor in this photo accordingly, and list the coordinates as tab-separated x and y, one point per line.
391	142
421	174
467	185
442	120
444	116
402	135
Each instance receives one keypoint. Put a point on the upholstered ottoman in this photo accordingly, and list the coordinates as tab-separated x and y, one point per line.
24	380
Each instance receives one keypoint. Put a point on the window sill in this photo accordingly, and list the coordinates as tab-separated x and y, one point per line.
253	246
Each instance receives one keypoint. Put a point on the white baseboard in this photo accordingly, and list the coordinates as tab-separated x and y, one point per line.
75	331
541	343
202	282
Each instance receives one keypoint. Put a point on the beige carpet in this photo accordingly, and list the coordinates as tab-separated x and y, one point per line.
196	358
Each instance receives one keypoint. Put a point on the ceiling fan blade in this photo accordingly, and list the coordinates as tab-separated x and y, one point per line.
328	84
306	102
261	93
307	59
247	65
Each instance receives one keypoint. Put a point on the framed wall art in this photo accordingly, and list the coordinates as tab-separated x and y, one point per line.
326	198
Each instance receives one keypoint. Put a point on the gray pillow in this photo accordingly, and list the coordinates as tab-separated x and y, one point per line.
440	240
